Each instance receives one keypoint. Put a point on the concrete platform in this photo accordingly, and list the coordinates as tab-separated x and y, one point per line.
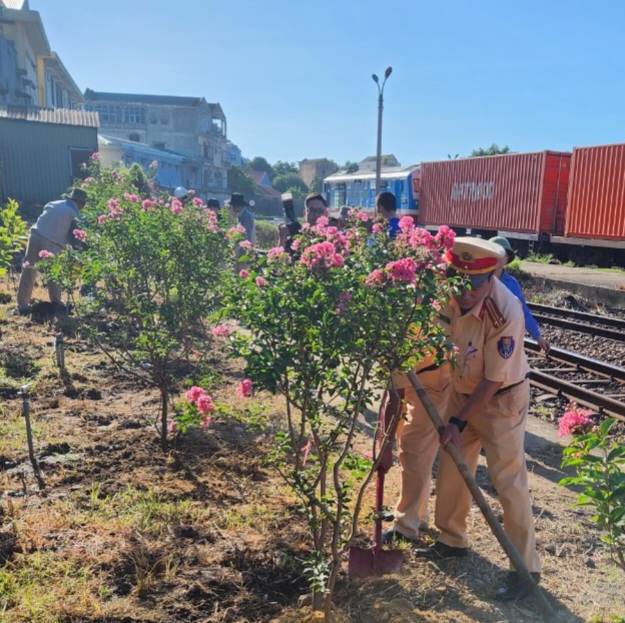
595	284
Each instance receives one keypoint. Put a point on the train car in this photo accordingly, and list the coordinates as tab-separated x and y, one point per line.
357	190
595	215
517	195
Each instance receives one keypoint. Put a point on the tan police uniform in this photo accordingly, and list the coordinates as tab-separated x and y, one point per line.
489	339
418	443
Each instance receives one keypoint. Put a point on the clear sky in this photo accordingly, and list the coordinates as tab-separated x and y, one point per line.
294	76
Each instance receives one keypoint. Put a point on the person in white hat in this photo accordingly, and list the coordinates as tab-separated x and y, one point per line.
487	409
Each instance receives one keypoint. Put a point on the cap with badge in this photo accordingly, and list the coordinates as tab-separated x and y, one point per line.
474	256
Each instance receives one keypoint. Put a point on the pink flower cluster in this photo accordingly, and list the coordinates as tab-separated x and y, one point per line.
222	330
574	421
406	223
147	204
375	278
131	197
80	234
277	254
261	282
95	156
363	217
245	388
88	180
43	254
404	270
197	202
176	206
445	237
322	255
204	403
114	210
213	223
244	274
233	232
377	228
245	244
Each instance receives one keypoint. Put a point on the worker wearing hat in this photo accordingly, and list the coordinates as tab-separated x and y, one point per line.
531	326
51	233
487	409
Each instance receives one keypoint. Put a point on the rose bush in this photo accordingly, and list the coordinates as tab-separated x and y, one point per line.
152	270
325	327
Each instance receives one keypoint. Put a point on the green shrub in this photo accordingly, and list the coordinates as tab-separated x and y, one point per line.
267	235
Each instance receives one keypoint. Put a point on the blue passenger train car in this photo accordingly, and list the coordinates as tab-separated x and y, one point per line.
357	190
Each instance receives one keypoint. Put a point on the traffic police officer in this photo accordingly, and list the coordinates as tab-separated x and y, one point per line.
487	409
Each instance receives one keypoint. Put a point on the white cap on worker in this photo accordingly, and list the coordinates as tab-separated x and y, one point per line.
181	192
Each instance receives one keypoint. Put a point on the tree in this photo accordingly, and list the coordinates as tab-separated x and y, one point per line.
493	150
316	186
282	168
350	167
260	164
290	180
239	182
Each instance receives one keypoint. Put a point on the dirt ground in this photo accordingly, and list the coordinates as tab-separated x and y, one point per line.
208	533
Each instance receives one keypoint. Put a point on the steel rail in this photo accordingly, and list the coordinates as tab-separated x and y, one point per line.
582	327
581	361
609	321
581	395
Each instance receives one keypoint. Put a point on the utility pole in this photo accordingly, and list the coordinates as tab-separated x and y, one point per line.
378	161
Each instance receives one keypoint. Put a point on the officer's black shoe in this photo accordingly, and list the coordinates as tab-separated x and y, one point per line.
515	588
439	551
390	536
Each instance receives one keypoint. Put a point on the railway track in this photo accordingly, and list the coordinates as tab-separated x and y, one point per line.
589	382
582	322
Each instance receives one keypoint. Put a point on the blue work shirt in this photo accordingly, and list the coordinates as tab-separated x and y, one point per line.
393	227
531	326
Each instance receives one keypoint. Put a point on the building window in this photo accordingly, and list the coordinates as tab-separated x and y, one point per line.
164	118
109	115
153	118
134	136
134	115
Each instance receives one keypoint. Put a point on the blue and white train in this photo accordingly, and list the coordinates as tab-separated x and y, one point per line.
357	190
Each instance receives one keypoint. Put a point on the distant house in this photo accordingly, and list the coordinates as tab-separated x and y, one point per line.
260	177
233	155
42	150
171	168
311	168
31	73
369	163
190	126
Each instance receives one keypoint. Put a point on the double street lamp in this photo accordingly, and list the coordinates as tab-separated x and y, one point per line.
378	161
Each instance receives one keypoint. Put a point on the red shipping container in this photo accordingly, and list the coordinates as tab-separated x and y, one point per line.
523	193
596	206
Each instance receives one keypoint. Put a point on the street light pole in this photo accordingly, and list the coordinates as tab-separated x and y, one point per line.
378	161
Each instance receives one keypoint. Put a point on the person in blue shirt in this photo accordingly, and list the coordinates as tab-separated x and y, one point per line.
386	207
531	326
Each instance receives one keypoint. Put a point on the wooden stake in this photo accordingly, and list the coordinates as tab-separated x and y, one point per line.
29	436
59	350
507	545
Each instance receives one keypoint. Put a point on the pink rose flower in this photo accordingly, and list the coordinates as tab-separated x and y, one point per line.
222	330
115	211
261	282
445	237
406	223
244	274
403	271
147	204
574	421
363	217
176	206
197	202
245	244
375	278
276	254
131	197
80	234
295	245
102	219
95	156
43	254
233	232
205	404
194	393
206	422
245	388
322	255
377	228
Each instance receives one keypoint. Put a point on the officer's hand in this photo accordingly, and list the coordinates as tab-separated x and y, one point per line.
451	434
544	345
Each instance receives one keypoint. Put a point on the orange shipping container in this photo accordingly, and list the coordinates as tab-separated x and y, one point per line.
596	206
523	193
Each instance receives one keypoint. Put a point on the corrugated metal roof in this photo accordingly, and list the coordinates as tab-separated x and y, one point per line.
149	151
59	116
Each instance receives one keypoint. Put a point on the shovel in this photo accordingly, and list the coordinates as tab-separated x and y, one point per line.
364	562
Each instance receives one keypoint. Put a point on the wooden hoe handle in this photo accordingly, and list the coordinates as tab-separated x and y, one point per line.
507	545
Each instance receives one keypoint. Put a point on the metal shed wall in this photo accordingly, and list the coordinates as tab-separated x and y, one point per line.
35	158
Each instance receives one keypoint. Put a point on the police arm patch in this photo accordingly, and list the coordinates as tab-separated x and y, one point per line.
505	346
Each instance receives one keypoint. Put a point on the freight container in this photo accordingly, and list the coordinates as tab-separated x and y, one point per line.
596	202
512	193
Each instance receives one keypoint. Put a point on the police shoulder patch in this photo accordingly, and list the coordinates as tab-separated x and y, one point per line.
505	346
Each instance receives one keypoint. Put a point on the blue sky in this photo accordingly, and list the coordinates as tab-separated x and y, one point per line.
294	76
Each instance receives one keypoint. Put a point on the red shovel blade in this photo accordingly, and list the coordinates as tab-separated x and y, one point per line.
374	561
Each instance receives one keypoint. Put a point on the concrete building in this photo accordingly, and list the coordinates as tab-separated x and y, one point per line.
189	126
233	155
31	74
311	168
